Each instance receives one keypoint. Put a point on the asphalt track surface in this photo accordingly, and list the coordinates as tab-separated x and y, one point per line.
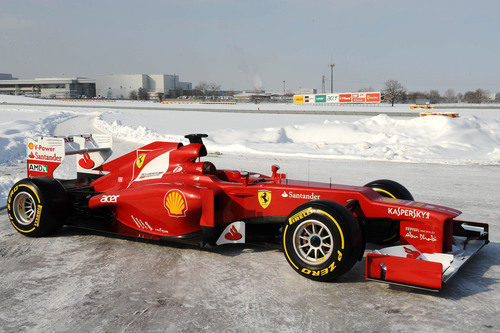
79	281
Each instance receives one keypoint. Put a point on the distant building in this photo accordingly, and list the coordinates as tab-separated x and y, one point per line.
47	87
305	91
253	96
4	76
121	85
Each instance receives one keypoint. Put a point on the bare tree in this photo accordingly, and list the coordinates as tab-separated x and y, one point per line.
202	88
142	94
207	89
394	91
133	95
497	97
214	89
449	96
434	97
477	96
415	96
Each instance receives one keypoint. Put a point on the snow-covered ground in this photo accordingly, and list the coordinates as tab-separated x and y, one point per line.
78	280
474	138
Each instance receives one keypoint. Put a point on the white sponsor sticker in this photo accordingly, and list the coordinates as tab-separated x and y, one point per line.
109	198
308	196
416	214
38	168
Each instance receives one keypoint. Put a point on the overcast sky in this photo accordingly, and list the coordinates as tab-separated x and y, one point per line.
242	44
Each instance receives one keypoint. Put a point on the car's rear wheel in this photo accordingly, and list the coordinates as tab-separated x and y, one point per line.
322	240
37	206
385	231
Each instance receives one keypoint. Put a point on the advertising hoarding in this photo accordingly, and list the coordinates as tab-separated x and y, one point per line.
320	99
345	98
342	98
373	97
358	97
298	99
332	98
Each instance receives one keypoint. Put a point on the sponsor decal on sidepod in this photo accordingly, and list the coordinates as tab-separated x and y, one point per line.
38	168
109	198
417	214
292	195
175	203
264	197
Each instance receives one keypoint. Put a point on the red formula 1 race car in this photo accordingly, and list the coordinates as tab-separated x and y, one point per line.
163	191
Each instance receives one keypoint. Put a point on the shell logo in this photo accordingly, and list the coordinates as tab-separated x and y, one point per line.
175	203
31	145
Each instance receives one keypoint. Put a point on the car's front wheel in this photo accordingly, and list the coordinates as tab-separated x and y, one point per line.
385	231
322	240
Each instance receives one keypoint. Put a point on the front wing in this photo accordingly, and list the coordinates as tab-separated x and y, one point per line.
405	265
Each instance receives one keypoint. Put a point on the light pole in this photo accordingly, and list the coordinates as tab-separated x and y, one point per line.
331	77
283	87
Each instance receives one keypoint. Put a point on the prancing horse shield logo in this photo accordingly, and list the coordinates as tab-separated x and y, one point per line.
140	160
264	198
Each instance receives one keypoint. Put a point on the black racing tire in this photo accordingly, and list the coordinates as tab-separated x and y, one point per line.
385	231
38	206
324	225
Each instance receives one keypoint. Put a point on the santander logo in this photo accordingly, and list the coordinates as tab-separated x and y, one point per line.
411	254
233	234
86	162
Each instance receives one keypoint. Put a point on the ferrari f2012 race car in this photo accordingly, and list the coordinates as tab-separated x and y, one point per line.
163	191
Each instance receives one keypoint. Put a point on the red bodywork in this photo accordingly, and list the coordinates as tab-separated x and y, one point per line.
162	190
199	185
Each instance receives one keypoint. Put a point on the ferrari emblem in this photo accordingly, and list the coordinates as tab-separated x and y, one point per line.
140	160
264	198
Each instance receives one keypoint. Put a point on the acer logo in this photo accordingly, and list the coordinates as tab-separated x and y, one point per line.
233	234
109	198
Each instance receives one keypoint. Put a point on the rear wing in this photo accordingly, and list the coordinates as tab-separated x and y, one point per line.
45	154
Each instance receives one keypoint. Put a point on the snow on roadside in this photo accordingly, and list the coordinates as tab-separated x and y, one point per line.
433	139
17	124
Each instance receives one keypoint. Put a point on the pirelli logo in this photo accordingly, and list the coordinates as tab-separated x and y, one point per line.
300	215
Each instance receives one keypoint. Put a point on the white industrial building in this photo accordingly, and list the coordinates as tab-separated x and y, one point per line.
121	85
47	87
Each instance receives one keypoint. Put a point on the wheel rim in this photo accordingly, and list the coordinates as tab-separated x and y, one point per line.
24	208
313	242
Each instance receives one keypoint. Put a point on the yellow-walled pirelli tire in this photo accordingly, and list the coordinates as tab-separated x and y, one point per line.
37	206
385	231
322	240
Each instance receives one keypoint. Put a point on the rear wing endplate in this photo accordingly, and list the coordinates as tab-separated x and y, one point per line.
45	154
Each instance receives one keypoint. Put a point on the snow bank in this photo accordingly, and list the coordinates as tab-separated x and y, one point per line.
432	139
472	138
17	124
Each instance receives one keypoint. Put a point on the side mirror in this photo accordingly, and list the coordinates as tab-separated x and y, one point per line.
245	175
